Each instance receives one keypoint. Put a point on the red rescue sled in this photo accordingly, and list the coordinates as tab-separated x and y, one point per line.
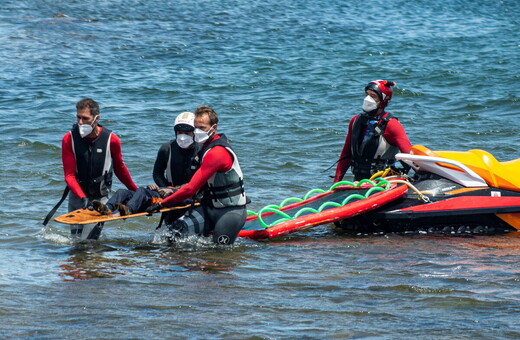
342	201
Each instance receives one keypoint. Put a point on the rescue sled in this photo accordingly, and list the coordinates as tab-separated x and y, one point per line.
451	191
343	200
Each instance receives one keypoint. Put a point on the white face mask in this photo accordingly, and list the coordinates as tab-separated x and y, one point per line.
86	129
202	136
369	104
184	140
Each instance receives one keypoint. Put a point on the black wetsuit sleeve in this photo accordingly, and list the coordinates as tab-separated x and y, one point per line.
161	163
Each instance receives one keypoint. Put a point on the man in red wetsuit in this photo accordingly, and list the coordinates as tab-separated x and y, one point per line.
374	137
91	154
218	180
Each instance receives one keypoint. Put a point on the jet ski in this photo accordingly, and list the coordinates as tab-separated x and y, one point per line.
450	192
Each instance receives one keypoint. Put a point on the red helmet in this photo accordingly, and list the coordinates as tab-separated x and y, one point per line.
383	88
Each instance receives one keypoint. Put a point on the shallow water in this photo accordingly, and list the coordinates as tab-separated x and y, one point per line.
285	78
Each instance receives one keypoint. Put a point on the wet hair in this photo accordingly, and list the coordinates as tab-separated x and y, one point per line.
90	103
206	110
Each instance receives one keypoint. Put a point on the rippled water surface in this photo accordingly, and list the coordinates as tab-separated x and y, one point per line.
285	78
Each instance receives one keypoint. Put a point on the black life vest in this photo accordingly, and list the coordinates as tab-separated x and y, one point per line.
94	168
224	189
182	164
370	151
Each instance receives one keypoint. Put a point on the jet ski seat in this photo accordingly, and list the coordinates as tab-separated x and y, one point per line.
503	175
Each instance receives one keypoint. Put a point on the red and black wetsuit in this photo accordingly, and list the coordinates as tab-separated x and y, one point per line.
218	159
70	170
393	134
225	219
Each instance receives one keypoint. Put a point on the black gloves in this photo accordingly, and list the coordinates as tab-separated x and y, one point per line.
154	208
87	204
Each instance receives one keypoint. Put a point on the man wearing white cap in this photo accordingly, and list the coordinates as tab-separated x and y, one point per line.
174	164
177	160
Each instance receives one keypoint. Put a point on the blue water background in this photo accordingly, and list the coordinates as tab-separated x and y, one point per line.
285	77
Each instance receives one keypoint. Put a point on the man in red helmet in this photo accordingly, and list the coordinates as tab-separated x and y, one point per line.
374	137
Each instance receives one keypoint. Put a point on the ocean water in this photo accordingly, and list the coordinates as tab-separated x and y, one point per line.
285	77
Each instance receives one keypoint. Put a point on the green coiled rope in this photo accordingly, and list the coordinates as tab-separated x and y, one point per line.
378	184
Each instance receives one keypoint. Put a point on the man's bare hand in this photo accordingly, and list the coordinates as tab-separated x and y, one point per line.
165	192
153	187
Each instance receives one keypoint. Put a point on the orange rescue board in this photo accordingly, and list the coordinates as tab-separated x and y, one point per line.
85	216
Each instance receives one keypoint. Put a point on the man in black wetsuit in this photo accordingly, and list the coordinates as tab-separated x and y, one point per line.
177	160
